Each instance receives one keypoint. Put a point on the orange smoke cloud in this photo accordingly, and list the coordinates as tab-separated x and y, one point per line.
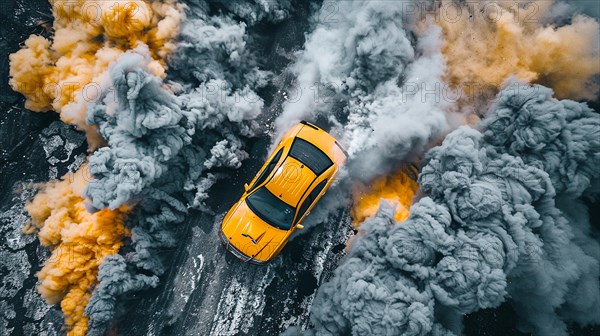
487	42
397	188
79	241
66	73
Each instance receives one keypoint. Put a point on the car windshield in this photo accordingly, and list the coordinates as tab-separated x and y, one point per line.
271	209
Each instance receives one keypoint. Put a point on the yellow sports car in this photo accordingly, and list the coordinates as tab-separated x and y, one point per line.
286	188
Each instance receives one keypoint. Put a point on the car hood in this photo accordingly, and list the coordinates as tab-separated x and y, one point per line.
251	235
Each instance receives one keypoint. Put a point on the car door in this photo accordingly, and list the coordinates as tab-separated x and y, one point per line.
310	201
266	171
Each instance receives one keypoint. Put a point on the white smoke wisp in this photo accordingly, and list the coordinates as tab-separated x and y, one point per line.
259	10
498	222
370	76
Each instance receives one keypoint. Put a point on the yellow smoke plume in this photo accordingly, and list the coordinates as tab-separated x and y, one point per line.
79	241
487	42
67	73
397	188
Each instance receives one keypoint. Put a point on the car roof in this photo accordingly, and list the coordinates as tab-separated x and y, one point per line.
291	180
310	152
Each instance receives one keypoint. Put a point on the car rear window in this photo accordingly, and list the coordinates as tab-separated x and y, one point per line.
310	155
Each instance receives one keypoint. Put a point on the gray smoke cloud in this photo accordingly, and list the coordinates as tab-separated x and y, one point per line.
590	8
501	220
144	126
365	65
169	141
114	280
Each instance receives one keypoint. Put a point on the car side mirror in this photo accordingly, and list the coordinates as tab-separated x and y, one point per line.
299	226
246	187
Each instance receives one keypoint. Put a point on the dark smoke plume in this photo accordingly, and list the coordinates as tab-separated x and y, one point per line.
166	141
501	220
